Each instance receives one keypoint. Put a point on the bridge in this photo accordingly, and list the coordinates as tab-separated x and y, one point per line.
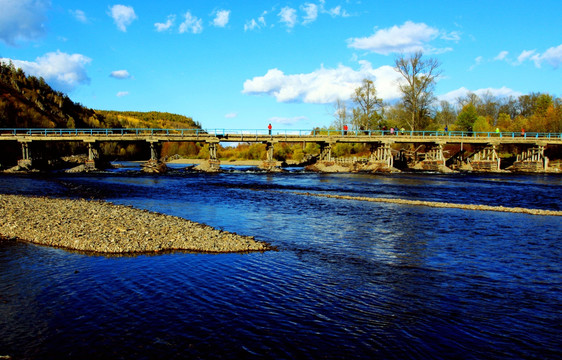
429	154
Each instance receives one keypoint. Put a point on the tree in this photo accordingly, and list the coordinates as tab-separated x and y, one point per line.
366	115
341	115
417	88
467	117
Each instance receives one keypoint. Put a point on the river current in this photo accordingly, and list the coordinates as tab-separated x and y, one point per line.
349	279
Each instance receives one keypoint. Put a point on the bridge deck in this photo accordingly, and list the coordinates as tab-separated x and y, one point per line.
324	136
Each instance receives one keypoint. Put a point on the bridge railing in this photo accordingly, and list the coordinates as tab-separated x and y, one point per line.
274	132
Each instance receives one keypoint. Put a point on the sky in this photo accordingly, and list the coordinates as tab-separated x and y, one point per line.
244	64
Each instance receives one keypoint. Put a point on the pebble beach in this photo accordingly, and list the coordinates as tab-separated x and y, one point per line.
103	227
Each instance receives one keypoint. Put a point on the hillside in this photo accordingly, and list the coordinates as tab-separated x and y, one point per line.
28	101
152	119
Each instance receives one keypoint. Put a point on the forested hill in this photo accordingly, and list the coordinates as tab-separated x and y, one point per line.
29	102
151	119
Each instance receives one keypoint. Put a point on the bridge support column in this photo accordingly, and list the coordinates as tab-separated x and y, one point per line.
531	160
486	159
383	155
25	161
154	165
214	161
325	152
93	155
434	160
270	164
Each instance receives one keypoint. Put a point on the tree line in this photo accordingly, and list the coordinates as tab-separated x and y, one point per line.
419	109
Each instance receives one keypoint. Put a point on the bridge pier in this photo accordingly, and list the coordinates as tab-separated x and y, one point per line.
531	160
486	159
325	152
154	165
433	160
93	155
270	164
25	162
383	155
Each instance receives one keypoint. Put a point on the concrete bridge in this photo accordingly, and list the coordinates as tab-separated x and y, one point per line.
427	146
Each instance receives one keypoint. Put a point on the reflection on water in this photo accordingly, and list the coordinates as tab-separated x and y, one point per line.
350	280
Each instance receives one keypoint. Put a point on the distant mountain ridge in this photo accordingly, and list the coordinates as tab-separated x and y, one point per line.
29	102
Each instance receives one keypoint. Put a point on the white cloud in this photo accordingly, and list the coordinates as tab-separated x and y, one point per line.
288	16
409	37
62	71
501	56
120	74
323	85
502	92
231	115
79	15
167	25
287	120
525	55
477	62
221	19
122	93
311	11
123	16
191	24
22	20
256	24
553	56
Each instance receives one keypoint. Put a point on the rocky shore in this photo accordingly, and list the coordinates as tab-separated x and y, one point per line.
102	227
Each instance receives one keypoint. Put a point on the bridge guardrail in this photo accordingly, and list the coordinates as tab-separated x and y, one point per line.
265	132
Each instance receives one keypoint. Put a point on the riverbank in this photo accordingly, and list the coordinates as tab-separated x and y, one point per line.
102	227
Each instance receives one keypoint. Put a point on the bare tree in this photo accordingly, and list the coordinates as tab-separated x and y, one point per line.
366	115
417	89
340	113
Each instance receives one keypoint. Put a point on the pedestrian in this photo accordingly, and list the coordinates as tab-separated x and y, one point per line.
498	131
446	128
391	131
269	128
522	131
345	129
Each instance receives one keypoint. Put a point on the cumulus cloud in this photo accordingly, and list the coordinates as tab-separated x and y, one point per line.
191	24
503	92
123	16
120	74
406	38
288	16
221	18
62	71
323	85
22	20
167	25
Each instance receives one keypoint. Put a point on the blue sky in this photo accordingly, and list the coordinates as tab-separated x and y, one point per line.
242	64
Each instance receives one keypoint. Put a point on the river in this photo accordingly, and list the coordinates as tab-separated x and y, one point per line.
349	279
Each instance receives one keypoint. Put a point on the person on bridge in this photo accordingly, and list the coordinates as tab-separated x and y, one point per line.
522	131
269	128
345	129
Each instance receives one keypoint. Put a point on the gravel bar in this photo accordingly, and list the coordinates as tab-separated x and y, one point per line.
103	227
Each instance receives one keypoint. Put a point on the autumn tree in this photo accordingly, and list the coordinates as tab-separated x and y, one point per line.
417	86
368	111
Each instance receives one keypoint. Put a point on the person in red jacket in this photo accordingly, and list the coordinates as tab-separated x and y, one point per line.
269	128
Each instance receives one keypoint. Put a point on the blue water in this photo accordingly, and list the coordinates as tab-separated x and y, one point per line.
350	279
